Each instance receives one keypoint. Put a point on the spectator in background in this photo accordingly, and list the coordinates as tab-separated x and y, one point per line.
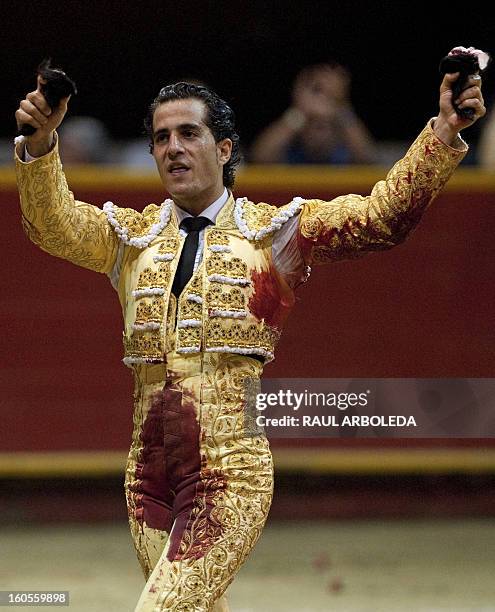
85	140
321	126
486	146
134	154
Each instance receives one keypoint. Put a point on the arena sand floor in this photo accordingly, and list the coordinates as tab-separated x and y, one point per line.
351	566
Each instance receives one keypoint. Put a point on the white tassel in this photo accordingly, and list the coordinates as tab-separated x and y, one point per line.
151	325
241	351
189	323
188	349
148	292
235	314
163	257
128	361
220	248
193	297
229	280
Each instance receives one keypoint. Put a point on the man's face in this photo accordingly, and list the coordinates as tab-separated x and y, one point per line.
189	160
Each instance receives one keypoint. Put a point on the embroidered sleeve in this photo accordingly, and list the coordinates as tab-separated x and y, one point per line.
351	225
59	224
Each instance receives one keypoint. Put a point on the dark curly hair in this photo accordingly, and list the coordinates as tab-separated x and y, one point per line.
220	119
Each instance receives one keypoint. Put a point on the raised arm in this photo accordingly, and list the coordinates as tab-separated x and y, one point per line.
351	225
51	217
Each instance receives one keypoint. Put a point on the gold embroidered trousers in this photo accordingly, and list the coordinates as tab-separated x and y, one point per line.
199	482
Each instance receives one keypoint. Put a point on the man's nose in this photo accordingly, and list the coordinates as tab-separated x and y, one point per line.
175	145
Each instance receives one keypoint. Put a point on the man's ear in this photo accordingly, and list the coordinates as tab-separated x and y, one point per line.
224	150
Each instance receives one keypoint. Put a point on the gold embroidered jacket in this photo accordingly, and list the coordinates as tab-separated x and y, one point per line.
236	301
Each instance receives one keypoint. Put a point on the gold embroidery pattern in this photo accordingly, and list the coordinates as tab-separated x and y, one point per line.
169	246
148	279
215	237
190	310
351	225
144	346
137	224
221	333
59	224
234	268
228	516
225	298
132	484
189	337
196	285
259	216
149	311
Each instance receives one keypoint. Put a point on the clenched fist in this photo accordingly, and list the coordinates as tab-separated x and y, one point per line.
448	123
34	110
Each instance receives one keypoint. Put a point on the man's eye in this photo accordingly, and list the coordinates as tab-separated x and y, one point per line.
160	138
189	134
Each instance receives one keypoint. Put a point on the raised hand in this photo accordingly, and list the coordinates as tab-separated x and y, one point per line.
35	111
449	123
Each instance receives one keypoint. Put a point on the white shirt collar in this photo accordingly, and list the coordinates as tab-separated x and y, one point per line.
210	213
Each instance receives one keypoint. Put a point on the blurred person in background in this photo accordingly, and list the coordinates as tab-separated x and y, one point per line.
206	283
486	144
321	126
85	140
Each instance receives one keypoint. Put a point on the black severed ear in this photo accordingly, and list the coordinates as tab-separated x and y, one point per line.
466	62
58	85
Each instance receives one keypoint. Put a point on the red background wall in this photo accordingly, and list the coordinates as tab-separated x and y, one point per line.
424	309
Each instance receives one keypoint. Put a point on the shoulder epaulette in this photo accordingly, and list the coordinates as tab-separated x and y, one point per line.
138	229
256	221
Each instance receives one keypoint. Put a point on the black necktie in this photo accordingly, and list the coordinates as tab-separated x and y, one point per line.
185	267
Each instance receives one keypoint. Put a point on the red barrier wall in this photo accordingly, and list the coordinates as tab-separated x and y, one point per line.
424	309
